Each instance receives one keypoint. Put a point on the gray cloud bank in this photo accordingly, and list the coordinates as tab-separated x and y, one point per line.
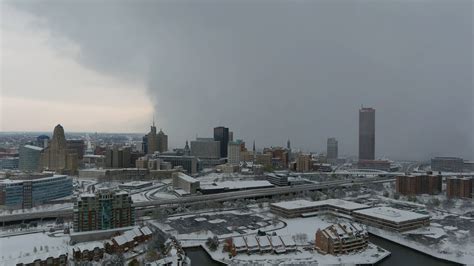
288	69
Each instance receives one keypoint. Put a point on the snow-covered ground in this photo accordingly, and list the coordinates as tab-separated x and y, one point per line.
371	255
302	230
42	208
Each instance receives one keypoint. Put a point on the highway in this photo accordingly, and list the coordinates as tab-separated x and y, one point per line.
142	207
264	192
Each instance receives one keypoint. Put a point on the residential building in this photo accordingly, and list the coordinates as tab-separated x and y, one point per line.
366	134
341	238
422	184
332	150
447	164
279	156
222	134
30	191
303	163
459	187
264	159
102	210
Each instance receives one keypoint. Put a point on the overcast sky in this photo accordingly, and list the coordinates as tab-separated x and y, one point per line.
269	70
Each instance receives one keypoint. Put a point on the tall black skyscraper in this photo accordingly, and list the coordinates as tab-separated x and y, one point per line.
222	134
366	134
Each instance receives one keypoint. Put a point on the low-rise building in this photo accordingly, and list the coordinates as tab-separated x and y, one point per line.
277	179
298	208
31	191
391	218
186	183
447	164
228	186
341	238
382	165
135	185
228	168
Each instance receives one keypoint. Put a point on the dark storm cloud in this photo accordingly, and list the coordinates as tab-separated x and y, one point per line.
299	70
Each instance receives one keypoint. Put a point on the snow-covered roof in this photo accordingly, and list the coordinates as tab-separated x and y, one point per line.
217	221
298	204
237	184
187	178
33	147
251	241
276	241
263	241
287	240
146	231
392	214
239	242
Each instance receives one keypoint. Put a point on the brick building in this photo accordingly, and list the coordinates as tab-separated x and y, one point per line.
341	238
459	187
423	184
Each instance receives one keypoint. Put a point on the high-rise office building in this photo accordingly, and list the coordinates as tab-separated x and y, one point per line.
332	149
162	139
366	134
206	148
30	158
222	134
57	156
234	152
153	141
118	157
102	210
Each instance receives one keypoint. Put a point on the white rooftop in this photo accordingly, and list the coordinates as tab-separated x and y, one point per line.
392	214
237	184
33	147
187	178
298	204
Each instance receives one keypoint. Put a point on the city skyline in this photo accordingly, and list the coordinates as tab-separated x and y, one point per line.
218	83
